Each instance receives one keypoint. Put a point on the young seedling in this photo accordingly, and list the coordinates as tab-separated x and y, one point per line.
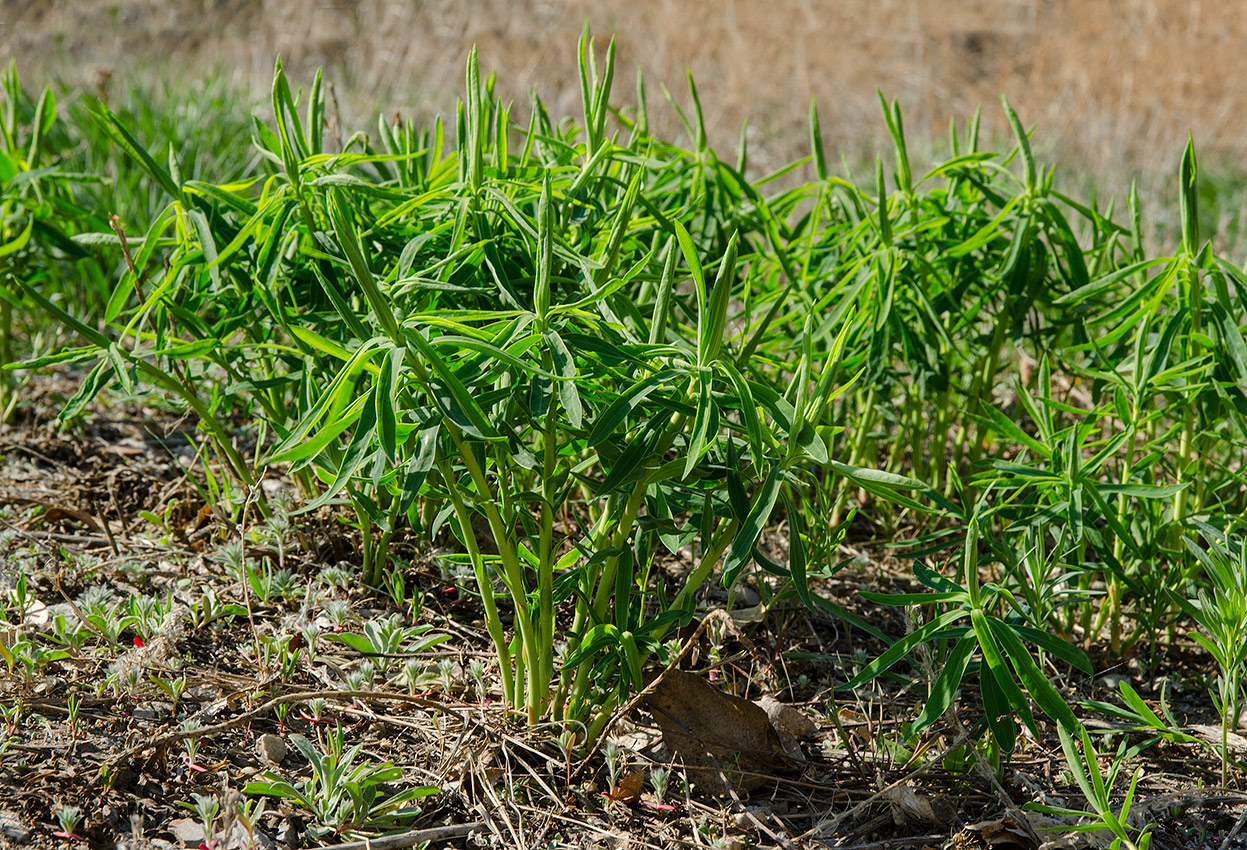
192	747
281	710
411	674
612	753
173	689
68	818
207	807
311	634
477	671
446	672
73	705
315	710
658	779
343	792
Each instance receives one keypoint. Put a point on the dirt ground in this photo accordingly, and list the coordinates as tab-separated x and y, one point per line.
110	516
1112	84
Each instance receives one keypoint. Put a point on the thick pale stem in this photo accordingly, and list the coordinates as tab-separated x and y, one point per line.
545	556
492	621
512	572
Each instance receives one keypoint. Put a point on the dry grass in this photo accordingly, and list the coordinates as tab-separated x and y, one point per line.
1115	84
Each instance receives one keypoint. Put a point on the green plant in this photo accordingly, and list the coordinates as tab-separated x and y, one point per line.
612	753
148	614
658	778
476	669
69	633
68	818
1220	611
73	705
12	715
191	743
1145	719
342	795
26	657
207	807
396	586
385	638
281	710
1000	636
562	351
248	814
209	608
1096	788
19	597
173	688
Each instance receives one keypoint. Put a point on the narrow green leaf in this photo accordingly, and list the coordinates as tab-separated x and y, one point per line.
18	242
565	364
944	688
385	399
902	648
1024	146
689	250
1032	677
1188	199
458	404
747	537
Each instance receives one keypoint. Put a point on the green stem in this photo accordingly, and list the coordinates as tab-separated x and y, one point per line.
860	443
1186	444
579	621
545	556
512	576
709	560
493	622
6	356
606	584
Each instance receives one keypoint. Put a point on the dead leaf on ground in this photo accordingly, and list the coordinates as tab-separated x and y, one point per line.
628	788
908	806
703	725
1005	833
790	723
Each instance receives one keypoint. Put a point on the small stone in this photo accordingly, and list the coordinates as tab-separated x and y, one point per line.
12	828
240	839
290	832
271	748
187	830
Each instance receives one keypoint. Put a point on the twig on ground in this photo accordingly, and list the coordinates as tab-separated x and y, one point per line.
260	710
1225	845
823	828
883	844
409	839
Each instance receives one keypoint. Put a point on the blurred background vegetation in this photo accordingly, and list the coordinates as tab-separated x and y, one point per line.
1113	86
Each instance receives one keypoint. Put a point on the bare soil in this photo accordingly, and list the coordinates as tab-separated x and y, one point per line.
117	502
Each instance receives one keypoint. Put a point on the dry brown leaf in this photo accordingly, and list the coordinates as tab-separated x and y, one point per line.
791	725
1005	833
909	807
702	725
628	788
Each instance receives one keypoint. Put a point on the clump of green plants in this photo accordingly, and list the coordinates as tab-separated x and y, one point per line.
343	795
1219	609
567	350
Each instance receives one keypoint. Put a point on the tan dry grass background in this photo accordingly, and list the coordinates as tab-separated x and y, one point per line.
1112	85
